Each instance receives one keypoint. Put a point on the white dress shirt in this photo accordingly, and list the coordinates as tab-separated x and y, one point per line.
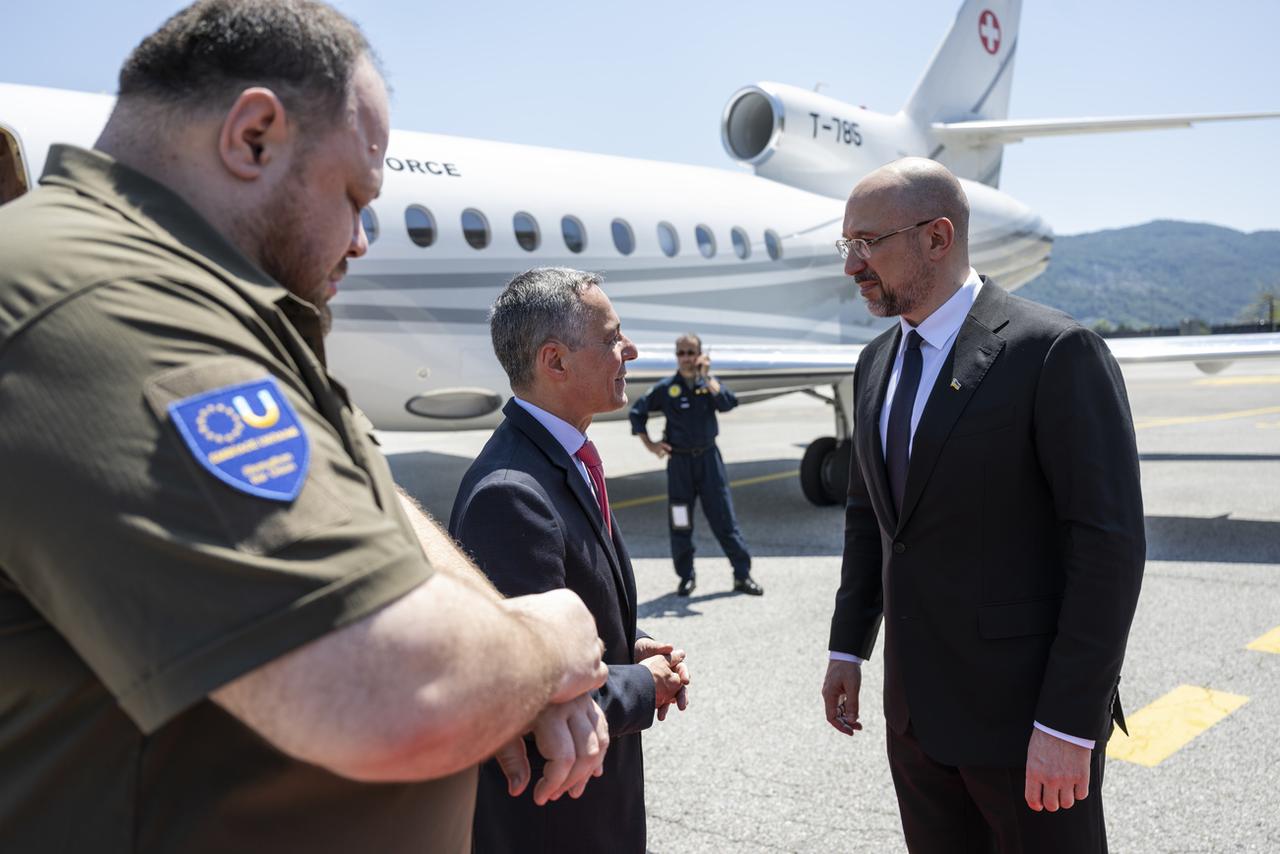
564	433
938	332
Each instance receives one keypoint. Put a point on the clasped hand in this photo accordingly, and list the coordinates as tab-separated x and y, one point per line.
573	737
670	673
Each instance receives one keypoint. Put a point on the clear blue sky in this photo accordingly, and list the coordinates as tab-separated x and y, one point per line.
650	80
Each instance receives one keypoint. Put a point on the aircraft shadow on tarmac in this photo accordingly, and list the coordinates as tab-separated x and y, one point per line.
1209	458
777	521
1213	540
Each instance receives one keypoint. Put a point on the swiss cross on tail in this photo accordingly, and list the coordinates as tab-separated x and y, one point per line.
989	31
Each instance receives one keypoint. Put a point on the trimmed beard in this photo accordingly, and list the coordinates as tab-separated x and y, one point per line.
917	283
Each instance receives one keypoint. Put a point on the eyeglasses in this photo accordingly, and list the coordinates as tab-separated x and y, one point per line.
686	352
862	248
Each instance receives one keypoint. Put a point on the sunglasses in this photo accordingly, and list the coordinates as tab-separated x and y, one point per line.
686	352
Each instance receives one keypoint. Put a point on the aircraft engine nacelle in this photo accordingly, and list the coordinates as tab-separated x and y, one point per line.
807	140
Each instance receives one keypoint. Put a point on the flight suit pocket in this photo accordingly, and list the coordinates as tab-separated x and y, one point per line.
251	523
1018	619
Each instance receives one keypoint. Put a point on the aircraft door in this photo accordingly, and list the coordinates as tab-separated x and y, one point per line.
13	174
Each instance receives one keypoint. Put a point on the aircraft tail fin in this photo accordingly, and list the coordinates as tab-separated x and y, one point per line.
969	79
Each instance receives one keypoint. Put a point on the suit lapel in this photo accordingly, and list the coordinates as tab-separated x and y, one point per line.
976	348
868	422
555	452
628	590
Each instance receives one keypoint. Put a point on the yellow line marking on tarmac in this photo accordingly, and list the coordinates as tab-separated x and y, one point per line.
1270	642
1161	729
746	481
1257	380
1142	424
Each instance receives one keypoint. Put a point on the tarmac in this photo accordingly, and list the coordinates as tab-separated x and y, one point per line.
752	765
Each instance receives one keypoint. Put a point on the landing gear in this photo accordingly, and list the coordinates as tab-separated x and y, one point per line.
824	471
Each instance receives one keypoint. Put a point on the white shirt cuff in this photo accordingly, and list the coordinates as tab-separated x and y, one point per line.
1078	742
844	656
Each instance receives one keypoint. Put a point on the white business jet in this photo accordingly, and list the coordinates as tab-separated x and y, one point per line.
746	260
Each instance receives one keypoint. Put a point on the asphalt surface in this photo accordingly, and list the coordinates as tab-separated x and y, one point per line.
752	765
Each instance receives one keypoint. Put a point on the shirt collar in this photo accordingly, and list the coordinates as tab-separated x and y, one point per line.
151	205
941	326
562	431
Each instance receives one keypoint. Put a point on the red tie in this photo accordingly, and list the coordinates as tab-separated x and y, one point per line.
591	459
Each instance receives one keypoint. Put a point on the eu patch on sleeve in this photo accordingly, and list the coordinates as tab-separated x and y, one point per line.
248	436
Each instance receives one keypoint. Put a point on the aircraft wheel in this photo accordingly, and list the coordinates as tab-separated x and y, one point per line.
824	471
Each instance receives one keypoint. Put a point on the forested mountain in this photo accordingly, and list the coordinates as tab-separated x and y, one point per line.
1160	274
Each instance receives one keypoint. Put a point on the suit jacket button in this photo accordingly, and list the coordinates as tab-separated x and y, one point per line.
899	548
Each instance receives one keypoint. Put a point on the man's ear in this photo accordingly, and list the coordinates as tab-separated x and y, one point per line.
255	133
550	362
942	236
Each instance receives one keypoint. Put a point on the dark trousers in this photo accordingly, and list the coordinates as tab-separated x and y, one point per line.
981	810
688	477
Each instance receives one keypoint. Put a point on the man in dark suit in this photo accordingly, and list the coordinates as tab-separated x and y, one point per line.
994	523
533	510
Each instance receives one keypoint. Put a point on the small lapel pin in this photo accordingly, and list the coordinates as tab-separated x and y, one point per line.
955	384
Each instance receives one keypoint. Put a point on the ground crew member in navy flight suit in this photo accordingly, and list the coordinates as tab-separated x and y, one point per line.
690	400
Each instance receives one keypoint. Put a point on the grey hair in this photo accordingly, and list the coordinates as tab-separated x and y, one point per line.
537	306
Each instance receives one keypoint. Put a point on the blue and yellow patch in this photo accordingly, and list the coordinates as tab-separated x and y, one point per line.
248	436
675	391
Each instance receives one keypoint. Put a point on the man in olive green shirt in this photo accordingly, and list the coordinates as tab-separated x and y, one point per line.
221	627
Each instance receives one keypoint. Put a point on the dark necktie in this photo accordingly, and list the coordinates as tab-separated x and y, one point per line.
591	459
898	439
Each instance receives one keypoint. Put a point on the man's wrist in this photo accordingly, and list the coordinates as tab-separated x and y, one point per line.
832	655
1087	743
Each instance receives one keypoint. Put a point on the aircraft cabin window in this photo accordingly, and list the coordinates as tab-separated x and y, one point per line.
575	236
475	228
741	245
526	231
370	222
668	239
420	224
623	237
706	241
773	245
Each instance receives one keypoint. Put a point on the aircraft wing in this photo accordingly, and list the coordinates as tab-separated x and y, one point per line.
1201	349
754	372
760	372
1006	131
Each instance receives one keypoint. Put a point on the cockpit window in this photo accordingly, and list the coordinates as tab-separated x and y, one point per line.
475	228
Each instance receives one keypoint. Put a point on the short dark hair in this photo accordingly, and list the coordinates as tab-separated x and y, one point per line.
204	56
536	306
